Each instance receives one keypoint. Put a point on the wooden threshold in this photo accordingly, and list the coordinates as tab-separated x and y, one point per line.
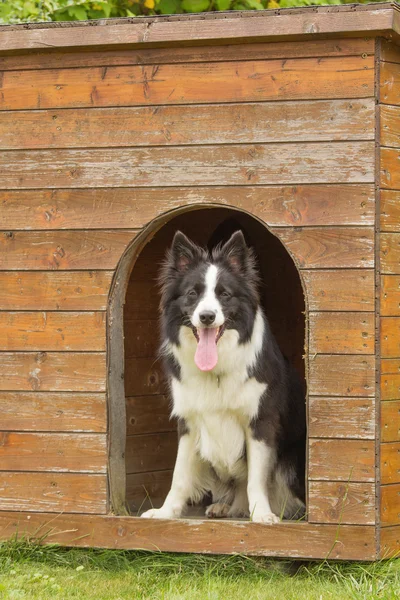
286	540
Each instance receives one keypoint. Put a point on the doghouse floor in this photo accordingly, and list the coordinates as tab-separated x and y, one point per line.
151	435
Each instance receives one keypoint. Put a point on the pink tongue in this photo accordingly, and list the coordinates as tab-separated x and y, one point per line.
206	356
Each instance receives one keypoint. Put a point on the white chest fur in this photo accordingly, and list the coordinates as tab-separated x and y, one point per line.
219	405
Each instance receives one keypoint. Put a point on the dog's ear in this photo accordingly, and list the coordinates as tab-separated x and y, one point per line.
183	252
236	252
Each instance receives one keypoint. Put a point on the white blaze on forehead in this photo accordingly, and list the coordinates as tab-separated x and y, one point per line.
209	301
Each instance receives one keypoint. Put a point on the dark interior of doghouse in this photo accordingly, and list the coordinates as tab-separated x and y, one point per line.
151	436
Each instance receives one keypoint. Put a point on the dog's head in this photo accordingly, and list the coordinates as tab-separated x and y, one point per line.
208	293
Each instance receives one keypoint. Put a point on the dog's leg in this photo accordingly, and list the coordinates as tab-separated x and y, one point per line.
240	505
186	481
260	461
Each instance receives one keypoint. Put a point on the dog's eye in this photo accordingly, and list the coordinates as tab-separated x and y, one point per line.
225	295
192	293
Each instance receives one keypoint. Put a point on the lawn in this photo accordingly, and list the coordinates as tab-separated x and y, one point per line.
49	572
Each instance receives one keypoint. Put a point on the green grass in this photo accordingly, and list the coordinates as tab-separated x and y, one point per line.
48	572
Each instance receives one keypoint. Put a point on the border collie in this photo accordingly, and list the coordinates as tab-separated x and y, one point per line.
240	405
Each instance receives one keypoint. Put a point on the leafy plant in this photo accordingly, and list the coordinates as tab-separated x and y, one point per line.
18	11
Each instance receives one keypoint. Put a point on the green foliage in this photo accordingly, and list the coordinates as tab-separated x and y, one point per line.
18	11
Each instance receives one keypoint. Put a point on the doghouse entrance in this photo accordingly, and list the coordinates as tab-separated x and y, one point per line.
151	441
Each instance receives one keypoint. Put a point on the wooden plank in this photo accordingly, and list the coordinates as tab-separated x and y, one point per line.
147	490
57	411
142	339
144	377
187	125
150	452
62	250
341	502
341	333
390	463
53	331
79	452
341	375
341	418
196	29
390	499
340	289
233	81
341	460
142	305
389	161
299	205
390	125
290	539
53	492
390	379
53	371
389	83
148	414
390	295
247	164
52	290
390	51
390	421
390	253
329	246
390	542
390	210
389	335
154	56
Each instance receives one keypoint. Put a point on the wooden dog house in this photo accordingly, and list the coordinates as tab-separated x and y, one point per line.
113	135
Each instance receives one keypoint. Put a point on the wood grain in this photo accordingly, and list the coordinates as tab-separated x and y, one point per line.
171	55
341	376
297	540
390	421
329	246
91	208
142	339
390	125
390	295
186	125
56	411
341	418
341	502
390	499
148	414
341	333
389	161
389	51
190	83
151	452
79	452
247	164
389	83
53	371
142	307
147	490
390	253
390	337
62	250
53	331
390	379
390	463
390	211
341	290
390	542
341	460
53	492
52	290
144	377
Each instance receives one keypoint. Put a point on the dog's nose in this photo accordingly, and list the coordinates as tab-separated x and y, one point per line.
207	317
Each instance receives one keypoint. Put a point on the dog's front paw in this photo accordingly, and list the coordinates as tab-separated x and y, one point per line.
264	517
158	513
219	510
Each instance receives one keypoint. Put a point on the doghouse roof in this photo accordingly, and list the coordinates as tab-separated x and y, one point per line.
208	28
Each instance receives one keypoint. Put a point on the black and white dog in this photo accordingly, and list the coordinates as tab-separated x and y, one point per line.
241	407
